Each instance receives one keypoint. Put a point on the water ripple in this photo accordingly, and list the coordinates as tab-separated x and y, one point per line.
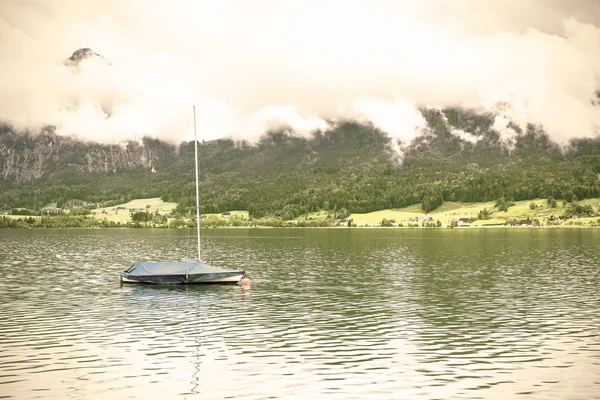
342	314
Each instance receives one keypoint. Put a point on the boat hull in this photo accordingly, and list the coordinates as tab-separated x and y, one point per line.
232	280
180	272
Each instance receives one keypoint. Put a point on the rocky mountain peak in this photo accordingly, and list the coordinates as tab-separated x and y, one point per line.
81	55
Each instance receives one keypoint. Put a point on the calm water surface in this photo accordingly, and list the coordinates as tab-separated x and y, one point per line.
332	313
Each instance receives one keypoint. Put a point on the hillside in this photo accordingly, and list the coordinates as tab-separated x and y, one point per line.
349	168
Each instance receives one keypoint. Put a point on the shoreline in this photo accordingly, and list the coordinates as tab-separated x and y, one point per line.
586	226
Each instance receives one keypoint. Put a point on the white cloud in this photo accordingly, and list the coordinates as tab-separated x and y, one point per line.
275	117
251	66
400	118
508	135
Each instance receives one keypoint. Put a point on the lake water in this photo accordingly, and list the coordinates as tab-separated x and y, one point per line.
332	313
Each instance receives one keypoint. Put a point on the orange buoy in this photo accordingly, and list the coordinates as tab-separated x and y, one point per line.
245	283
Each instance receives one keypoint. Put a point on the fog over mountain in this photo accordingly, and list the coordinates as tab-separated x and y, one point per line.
253	66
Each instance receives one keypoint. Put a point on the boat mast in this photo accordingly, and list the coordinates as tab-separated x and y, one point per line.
197	195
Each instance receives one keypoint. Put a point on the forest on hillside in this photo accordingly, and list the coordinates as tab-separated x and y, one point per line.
349	169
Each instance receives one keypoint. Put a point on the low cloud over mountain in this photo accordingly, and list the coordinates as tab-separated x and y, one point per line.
253	66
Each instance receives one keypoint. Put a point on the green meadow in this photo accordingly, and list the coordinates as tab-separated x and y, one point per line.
122	213
449	213
454	210
401	216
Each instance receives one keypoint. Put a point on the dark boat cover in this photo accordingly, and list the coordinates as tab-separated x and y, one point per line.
176	272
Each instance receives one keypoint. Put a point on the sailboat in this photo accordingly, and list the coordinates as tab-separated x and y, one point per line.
195	271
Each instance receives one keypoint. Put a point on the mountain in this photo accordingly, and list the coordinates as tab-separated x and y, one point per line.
82	55
460	157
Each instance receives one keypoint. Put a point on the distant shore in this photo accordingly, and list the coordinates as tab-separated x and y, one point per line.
22	226
154	213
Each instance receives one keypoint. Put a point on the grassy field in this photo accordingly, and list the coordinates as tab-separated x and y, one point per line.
21	216
122	214
445	214
243	214
401	215
407	215
454	210
466	210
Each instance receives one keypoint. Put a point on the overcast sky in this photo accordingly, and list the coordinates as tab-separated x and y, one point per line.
252	65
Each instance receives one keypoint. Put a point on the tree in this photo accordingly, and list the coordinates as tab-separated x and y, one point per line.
503	204
551	202
343	213
386	222
141	216
484	214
